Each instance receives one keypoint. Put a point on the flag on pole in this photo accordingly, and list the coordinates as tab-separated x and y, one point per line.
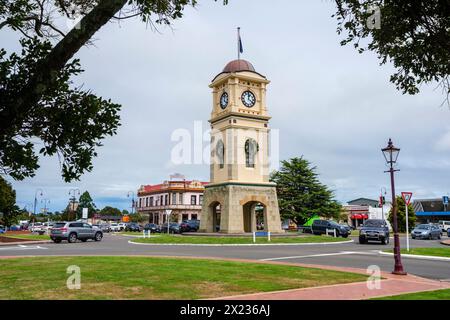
240	47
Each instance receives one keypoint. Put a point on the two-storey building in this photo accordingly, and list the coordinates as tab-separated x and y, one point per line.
183	197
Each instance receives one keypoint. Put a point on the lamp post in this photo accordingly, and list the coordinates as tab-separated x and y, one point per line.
46	201
391	154
35	199
132	200
73	192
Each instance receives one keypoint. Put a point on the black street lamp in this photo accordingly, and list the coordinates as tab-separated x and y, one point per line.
132	200
41	192
391	154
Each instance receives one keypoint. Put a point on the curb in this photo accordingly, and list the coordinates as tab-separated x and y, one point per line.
238	244
416	256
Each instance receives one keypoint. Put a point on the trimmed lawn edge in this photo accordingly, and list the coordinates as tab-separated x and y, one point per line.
417	256
239	244
394	297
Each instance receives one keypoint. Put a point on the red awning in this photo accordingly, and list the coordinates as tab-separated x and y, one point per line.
357	216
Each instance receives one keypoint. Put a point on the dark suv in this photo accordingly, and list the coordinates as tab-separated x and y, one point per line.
133	227
189	225
72	231
320	227
374	230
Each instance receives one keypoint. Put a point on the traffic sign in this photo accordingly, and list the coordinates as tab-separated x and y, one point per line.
407	197
445	200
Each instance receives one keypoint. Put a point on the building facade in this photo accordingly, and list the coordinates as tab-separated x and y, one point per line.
183	197
359	210
431	210
239	167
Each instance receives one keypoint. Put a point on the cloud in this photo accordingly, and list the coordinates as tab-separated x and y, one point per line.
330	104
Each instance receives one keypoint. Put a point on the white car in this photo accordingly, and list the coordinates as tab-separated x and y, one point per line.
37	227
444	225
114	227
122	226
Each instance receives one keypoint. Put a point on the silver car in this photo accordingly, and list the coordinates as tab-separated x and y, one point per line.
426	231
73	231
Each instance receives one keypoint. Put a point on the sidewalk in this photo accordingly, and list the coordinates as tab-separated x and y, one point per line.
390	285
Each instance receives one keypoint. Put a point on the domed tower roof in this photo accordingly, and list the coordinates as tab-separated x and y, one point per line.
238	65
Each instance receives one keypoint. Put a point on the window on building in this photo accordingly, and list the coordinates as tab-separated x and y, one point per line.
151	201
194	216
193	199
146	201
251	148
140	202
161	200
166	200
174	198
200	199
181	198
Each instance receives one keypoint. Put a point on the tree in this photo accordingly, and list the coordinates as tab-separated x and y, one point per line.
125	212
110	211
300	193
38	104
8	203
86	201
136	217
401	216
414	35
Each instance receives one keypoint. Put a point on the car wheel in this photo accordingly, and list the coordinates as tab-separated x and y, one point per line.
98	236
383	241
72	238
362	241
439	237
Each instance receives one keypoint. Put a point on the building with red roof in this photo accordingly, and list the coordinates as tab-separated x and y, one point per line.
183	197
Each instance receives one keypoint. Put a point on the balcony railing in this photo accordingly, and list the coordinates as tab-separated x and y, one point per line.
173	207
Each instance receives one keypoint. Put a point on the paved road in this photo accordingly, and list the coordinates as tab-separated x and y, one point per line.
346	255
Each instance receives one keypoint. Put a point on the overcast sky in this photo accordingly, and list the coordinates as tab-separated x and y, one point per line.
330	104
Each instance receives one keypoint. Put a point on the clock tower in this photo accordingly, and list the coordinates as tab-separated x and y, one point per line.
240	196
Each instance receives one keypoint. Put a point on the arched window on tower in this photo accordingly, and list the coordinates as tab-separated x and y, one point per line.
251	148
220	151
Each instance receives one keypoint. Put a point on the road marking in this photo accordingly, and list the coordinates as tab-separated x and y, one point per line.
23	247
316	255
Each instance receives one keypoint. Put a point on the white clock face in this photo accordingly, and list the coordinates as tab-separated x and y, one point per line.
224	100
248	99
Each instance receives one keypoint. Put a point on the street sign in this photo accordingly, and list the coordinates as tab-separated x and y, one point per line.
407	197
168	212
85	213
445	200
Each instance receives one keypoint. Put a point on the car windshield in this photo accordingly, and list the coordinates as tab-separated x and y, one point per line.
423	226
373	223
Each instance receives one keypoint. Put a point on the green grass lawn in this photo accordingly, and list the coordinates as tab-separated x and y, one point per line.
438	252
429	295
154	278
164	238
29	236
128	233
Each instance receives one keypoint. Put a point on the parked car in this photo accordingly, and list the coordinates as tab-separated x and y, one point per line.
2	229
173	228
15	228
320	227
190	225
374	230
122	226
154	228
426	231
104	227
448	232
134	227
445	225
346	226
73	231
114	227
37	227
